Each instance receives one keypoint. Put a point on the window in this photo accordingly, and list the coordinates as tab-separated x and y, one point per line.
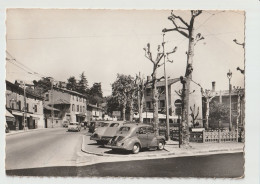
77	108
73	107
142	130
80	108
35	108
83	108
162	103
27	107
77	98
47	97
150	130
12	105
148	92
148	105
19	105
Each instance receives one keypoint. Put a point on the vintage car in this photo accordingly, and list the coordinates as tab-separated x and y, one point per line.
106	131
94	125
74	126
65	123
134	137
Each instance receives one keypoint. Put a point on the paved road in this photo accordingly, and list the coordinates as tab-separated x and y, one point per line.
43	148
219	166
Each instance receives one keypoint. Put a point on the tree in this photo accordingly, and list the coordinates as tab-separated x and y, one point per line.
121	89
140	101
72	83
82	85
187	30
42	86
194	115
208	96
112	105
218	111
95	94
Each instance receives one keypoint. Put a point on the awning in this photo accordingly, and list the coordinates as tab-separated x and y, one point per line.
81	115
34	116
18	113
8	114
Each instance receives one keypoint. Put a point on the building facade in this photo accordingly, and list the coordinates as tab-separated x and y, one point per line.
68	106
174	89
237	106
27	110
94	112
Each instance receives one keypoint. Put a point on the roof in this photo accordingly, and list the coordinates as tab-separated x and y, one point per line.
94	106
61	101
8	83
69	91
170	82
50	108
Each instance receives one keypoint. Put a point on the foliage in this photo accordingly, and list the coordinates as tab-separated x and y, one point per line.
82	85
42	86
218	111
72	83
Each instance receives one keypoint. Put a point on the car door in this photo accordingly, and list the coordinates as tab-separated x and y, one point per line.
150	137
142	136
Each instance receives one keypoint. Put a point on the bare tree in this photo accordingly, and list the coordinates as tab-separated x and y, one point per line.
153	82
207	94
140	90
194	115
187	30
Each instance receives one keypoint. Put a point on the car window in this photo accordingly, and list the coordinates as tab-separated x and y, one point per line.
114	124
104	124
142	130
150	130
124	129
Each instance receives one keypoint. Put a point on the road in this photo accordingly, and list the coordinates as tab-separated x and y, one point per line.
219	166
43	148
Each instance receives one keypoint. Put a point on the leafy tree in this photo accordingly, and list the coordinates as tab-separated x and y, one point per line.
121	90
96	90
218	111
112	104
42	86
82	85
72	83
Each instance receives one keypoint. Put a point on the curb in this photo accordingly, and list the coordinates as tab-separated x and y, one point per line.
108	155
161	154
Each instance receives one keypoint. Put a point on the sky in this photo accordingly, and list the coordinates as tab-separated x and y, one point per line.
66	42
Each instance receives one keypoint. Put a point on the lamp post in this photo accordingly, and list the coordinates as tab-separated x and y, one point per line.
229	76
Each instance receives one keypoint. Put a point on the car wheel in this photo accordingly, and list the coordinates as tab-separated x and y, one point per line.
161	145
136	148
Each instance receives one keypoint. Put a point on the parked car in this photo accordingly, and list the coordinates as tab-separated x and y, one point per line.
65	123
134	137
93	125
106	131
74	126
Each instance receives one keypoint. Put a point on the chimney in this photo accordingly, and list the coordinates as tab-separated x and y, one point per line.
213	86
149	78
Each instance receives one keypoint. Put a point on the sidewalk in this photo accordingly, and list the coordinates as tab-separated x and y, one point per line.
13	132
171	149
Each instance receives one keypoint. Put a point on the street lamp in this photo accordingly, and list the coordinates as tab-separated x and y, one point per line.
229	76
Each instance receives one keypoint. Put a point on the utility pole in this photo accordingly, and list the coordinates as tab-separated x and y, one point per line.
166	93
52	103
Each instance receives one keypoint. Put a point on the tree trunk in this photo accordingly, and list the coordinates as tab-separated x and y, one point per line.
131	110
207	115
155	102
141	108
188	76
123	111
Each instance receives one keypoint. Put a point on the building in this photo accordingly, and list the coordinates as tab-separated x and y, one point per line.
68	106
237	104
27	110
174	89
94	112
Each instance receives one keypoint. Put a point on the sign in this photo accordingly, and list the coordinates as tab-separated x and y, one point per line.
178	103
116	113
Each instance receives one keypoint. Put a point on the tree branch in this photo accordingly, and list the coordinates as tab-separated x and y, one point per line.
178	17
